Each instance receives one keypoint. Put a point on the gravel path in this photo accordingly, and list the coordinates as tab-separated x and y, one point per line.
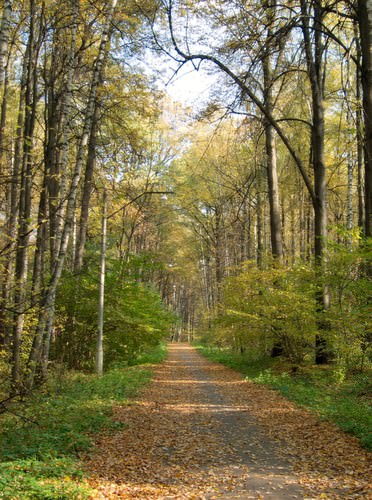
200	432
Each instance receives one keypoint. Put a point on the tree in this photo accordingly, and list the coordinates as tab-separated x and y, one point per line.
364	16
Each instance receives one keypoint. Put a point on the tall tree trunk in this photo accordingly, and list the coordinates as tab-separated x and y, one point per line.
4	37
3	114
59	190
47	301
271	159
259	221
21	264
360	139
13	204
87	193
56	158
314	51
5	275
350	193
365	28
273	185
219	267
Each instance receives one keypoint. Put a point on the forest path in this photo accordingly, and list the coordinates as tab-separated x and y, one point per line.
200	432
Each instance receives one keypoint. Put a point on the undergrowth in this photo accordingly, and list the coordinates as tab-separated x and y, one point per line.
43	437
328	390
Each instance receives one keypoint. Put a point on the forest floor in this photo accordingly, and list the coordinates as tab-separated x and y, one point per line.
199	431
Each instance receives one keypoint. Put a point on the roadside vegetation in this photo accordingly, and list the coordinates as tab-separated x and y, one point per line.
334	394
43	438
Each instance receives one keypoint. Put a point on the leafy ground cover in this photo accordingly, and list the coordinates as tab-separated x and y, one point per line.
42	439
330	392
199	430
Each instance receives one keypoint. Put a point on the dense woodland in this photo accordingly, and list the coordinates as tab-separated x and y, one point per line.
128	218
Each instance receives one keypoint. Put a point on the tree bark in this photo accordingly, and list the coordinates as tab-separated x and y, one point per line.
4	38
259	222
365	28
47	300
21	264
359	133
271	159
314	51
87	193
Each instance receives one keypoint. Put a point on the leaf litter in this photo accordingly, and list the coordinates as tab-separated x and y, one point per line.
199	431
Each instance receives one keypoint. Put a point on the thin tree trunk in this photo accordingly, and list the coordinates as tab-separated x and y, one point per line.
10	229
4	107
271	159
14	201
359	137
87	192
350	193
4	37
21	264
218	256
259	222
272	179
62	159
47	301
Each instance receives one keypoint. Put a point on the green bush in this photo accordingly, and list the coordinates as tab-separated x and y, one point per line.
135	318
349	280
264	307
31	479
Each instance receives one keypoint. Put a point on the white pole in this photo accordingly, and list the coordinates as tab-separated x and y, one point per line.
101	301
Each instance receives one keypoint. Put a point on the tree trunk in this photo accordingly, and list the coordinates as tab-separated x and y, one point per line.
219	269
87	192
57	215
359	134
272	180
47	301
314	51
271	159
4	38
259	222
21	264
365	28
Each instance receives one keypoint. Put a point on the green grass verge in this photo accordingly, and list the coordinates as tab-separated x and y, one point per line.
152	356
39	448
344	400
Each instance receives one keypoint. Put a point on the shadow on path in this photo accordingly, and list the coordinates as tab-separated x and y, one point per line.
200	431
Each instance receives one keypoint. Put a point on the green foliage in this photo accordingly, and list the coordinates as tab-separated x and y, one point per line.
349	280
264	307
275	308
247	363
344	400
135	318
61	425
152	355
39	451
31	479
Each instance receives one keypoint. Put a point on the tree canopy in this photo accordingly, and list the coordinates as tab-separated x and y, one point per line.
245	223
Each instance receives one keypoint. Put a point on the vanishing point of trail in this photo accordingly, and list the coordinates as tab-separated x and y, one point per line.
199	431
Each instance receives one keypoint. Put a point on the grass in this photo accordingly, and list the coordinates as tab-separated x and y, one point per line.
40	446
152	356
326	390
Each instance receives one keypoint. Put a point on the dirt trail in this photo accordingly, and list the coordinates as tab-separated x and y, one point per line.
200	432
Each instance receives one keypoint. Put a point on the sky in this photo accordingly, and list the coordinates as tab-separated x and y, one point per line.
190	87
